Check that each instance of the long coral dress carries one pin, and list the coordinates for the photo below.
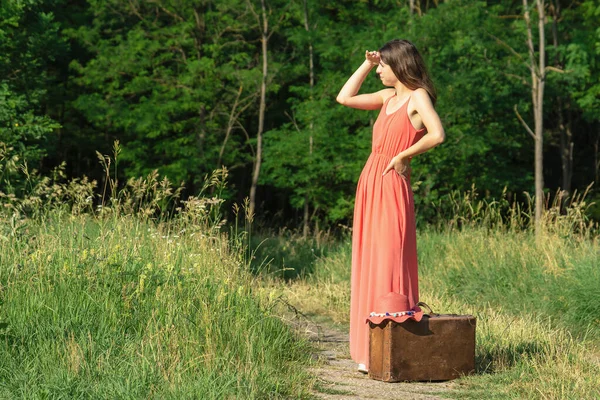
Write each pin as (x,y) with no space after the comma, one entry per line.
(384,244)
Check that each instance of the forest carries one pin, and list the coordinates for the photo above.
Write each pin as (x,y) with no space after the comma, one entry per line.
(187,87)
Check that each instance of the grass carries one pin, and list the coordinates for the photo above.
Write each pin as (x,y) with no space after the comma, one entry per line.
(525,357)
(122,308)
(286,255)
(145,297)
(141,295)
(536,302)
(552,276)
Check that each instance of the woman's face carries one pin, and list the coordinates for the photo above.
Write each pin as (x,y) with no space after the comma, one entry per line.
(387,76)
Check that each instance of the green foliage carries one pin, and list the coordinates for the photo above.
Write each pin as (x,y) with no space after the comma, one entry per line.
(317,155)
(134,299)
(21,131)
(588,58)
(29,43)
(178,84)
(171,82)
(29,40)
(150,82)
(485,145)
(315,162)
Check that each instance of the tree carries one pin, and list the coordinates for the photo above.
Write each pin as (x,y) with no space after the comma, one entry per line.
(587,58)
(564,127)
(311,74)
(29,41)
(478,82)
(262,18)
(191,86)
(168,80)
(316,155)
(538,71)
(263,23)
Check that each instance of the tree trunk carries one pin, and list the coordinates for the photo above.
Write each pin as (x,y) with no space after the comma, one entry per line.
(310,139)
(537,95)
(230,123)
(261,109)
(566,152)
(597,159)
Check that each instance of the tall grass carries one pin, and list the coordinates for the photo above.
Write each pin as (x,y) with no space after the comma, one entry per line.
(538,331)
(286,254)
(564,214)
(111,299)
(536,299)
(524,356)
(551,276)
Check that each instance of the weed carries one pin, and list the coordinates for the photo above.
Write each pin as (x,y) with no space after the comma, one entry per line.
(135,293)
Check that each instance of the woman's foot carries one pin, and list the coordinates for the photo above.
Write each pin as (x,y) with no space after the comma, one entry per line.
(362,368)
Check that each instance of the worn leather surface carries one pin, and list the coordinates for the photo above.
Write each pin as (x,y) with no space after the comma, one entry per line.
(439,347)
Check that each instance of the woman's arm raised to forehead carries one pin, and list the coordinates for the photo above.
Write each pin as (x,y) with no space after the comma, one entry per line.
(348,94)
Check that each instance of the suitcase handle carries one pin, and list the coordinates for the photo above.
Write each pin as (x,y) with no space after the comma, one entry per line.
(422,304)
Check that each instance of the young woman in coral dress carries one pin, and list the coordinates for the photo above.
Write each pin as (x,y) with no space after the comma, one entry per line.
(384,247)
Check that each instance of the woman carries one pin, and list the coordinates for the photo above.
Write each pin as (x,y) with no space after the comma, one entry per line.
(384,247)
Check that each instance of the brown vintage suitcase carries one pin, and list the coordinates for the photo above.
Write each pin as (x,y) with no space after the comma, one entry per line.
(437,348)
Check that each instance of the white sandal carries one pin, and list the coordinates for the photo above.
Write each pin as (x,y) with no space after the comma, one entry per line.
(363,368)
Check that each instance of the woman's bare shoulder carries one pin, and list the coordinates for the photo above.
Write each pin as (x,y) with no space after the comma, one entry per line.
(420,101)
(421,95)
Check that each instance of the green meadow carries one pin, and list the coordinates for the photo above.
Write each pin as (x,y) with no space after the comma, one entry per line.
(116,302)
(537,300)
(145,295)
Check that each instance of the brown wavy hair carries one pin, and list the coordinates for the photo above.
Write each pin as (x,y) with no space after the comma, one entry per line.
(408,66)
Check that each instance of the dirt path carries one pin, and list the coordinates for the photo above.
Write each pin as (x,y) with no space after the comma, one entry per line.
(339,379)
